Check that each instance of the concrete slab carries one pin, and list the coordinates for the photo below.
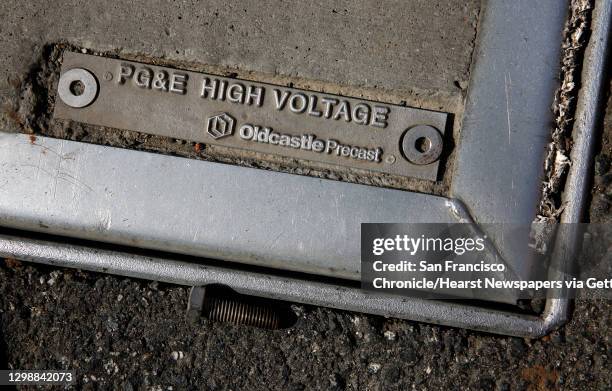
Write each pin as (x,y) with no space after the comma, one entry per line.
(391,45)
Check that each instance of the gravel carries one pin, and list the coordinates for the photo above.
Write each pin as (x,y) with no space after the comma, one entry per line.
(120,333)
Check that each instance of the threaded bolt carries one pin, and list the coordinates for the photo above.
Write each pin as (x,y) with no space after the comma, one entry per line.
(231,310)
(234,311)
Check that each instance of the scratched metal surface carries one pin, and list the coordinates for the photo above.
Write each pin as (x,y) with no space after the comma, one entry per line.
(508,116)
(508,92)
(198,208)
(358,204)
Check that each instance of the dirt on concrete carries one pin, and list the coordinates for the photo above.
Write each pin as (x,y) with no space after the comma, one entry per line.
(421,46)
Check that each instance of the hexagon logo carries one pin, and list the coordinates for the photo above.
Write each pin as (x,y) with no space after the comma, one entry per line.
(221,125)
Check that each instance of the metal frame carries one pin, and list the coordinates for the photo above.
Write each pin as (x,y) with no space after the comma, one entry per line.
(478,185)
(283,288)
(198,208)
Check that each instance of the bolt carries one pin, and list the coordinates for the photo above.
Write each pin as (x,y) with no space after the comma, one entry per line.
(231,309)
(77,97)
(108,76)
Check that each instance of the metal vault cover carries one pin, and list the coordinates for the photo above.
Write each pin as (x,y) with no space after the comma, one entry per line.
(478,160)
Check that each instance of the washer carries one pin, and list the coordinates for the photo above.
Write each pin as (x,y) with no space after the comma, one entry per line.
(90,91)
(432,144)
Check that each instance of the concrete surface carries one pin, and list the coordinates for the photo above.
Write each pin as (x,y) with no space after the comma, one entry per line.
(418,45)
(413,53)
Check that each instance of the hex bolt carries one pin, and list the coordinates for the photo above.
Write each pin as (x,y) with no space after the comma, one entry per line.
(422,144)
(77,87)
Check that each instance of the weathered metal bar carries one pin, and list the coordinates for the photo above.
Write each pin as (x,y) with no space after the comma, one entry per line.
(198,208)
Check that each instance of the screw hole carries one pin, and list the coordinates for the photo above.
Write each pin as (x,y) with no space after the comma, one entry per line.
(422,144)
(77,88)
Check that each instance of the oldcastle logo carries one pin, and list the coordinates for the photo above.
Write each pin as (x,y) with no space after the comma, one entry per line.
(223,125)
(220,126)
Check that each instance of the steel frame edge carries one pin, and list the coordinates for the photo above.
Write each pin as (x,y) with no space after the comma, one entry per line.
(556,311)
(281,288)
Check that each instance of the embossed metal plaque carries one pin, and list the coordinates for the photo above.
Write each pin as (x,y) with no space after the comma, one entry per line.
(259,117)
